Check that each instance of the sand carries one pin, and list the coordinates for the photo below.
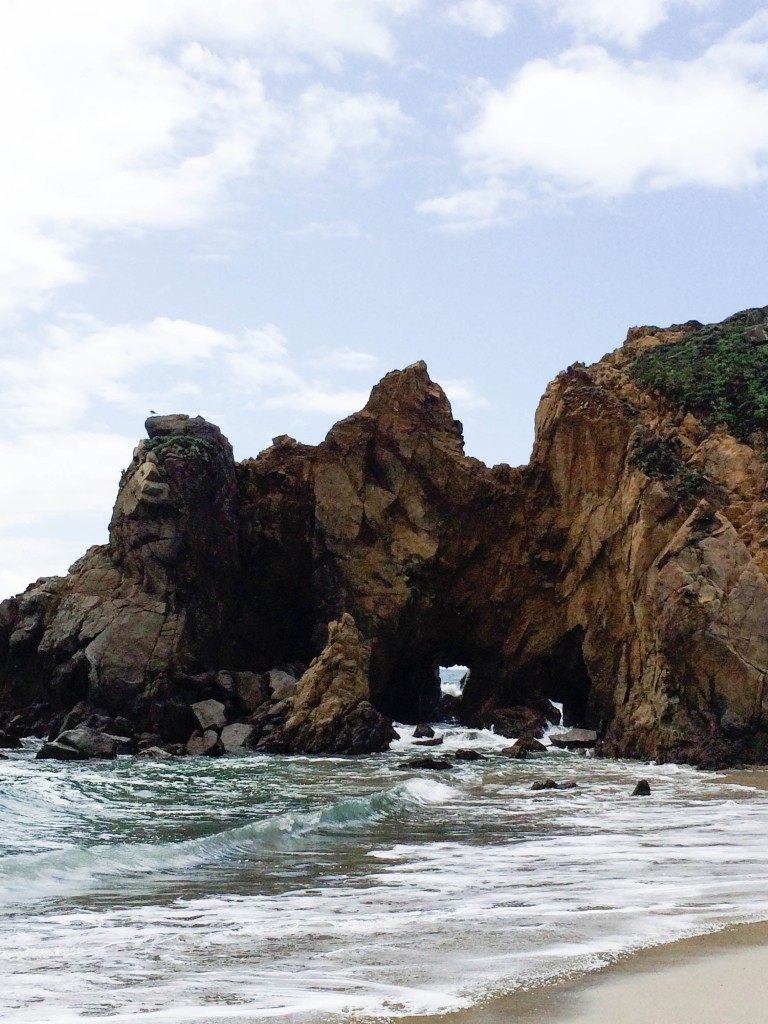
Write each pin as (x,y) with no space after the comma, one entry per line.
(721,978)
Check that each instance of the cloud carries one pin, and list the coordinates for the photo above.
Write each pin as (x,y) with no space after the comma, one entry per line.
(625,23)
(327,229)
(80,361)
(125,117)
(472,208)
(484,17)
(81,369)
(348,361)
(589,124)
(463,395)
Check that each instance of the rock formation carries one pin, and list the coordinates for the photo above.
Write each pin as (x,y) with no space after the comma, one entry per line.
(621,573)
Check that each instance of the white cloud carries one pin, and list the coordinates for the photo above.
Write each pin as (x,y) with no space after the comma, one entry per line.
(134,116)
(80,361)
(588,124)
(473,207)
(618,21)
(327,229)
(347,360)
(463,395)
(485,17)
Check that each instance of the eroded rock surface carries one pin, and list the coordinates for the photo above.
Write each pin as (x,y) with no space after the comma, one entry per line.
(622,574)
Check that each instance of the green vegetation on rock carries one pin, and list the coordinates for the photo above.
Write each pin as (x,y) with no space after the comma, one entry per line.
(660,458)
(719,372)
(183,445)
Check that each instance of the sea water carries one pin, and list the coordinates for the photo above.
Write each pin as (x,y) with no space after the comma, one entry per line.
(330,889)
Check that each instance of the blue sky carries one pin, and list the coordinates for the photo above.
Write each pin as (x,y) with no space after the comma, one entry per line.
(253,210)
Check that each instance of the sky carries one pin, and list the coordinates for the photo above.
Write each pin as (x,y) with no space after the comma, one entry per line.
(252,210)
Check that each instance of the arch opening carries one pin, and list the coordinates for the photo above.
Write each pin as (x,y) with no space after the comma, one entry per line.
(559,676)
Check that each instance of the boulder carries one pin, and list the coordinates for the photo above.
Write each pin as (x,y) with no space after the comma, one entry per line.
(423,732)
(252,690)
(551,784)
(575,739)
(237,738)
(282,684)
(467,754)
(205,744)
(435,764)
(642,788)
(79,744)
(155,754)
(522,748)
(210,714)
(123,744)
(10,742)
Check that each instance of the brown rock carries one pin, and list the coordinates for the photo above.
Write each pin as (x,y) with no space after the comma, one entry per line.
(435,764)
(586,578)
(467,754)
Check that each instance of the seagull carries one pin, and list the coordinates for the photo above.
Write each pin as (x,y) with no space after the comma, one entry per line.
(152,412)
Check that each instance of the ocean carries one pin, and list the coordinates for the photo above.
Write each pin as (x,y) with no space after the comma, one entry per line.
(340,889)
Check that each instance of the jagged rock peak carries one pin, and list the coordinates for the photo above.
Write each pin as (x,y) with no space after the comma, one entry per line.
(408,400)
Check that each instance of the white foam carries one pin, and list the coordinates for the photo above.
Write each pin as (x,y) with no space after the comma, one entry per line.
(295,887)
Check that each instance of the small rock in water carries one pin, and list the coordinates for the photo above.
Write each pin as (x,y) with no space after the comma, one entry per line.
(436,741)
(206,744)
(155,754)
(423,731)
(467,754)
(575,739)
(551,784)
(642,788)
(433,763)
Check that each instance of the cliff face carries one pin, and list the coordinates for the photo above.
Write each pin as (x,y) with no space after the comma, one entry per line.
(622,572)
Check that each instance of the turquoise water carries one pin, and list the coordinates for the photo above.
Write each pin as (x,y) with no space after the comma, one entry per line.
(307,889)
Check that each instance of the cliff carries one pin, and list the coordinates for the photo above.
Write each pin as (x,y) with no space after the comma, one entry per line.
(622,572)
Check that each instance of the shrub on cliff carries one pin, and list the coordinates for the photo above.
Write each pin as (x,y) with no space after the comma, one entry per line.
(719,373)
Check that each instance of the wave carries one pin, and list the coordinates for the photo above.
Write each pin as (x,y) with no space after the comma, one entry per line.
(39,875)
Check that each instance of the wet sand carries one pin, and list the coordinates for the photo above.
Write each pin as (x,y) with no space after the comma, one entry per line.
(721,978)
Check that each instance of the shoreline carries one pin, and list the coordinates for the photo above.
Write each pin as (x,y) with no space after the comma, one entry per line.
(703,979)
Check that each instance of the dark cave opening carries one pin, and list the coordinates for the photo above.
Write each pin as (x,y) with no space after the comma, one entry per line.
(561,676)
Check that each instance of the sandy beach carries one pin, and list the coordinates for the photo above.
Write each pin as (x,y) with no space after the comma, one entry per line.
(719,978)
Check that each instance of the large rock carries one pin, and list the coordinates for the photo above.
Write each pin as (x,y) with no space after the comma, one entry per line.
(79,744)
(210,714)
(330,711)
(622,574)
(237,738)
